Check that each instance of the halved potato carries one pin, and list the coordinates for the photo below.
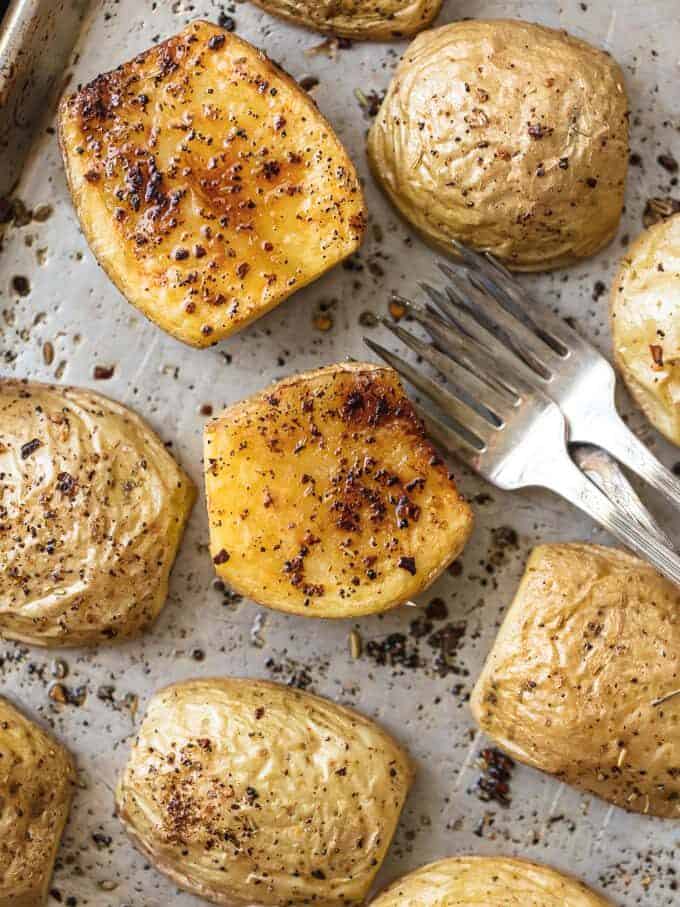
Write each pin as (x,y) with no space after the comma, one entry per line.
(507,136)
(92,510)
(207,183)
(645,317)
(377,20)
(251,793)
(488,882)
(37,780)
(583,679)
(326,499)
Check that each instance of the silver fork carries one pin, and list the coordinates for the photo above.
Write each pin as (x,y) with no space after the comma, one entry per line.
(555,357)
(507,428)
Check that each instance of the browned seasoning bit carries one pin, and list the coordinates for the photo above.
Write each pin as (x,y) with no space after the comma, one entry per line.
(659,209)
(396,309)
(221,557)
(48,353)
(494,783)
(408,564)
(323,321)
(30,447)
(657,356)
(103,372)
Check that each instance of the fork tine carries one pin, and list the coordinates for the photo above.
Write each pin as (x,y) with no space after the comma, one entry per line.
(461,375)
(485,306)
(469,349)
(448,439)
(499,281)
(463,414)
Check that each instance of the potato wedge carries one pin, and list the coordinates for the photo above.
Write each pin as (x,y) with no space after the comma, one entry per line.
(251,793)
(645,318)
(364,20)
(580,680)
(37,780)
(92,508)
(326,499)
(507,136)
(207,183)
(488,882)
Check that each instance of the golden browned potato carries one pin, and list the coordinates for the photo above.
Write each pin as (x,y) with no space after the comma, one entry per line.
(377,20)
(37,780)
(326,499)
(645,312)
(509,137)
(250,793)
(487,882)
(207,183)
(580,681)
(92,510)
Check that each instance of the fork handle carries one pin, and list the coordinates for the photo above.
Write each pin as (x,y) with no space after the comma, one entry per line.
(614,436)
(573,485)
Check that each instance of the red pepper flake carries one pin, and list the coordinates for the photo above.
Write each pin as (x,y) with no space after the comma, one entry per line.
(30,447)
(103,372)
(657,355)
(221,557)
(408,564)
(538,131)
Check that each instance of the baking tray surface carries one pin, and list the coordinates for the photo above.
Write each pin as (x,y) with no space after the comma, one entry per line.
(61,318)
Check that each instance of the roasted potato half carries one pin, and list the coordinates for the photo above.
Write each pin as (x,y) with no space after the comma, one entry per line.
(326,499)
(250,793)
(507,136)
(582,681)
(207,183)
(645,315)
(377,20)
(92,508)
(37,779)
(488,881)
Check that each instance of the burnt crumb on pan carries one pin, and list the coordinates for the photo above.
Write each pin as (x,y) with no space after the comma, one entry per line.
(406,651)
(668,162)
(496,776)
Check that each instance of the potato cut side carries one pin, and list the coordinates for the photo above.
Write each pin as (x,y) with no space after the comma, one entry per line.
(582,681)
(251,793)
(326,499)
(207,183)
(37,780)
(377,20)
(488,882)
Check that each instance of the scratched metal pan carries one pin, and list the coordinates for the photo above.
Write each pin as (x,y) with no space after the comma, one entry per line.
(60,317)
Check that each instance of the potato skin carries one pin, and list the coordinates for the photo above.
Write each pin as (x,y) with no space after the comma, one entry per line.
(377,20)
(589,644)
(93,510)
(645,318)
(251,793)
(488,881)
(207,183)
(507,136)
(37,780)
(325,498)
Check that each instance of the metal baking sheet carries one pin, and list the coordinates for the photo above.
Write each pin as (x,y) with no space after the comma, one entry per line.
(60,317)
